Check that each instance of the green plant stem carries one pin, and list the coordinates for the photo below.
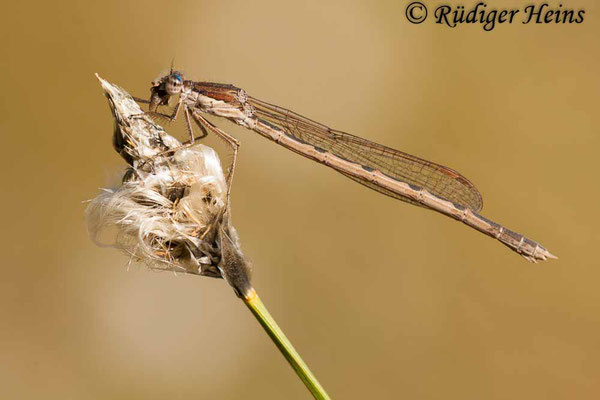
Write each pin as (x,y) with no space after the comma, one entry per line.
(285,346)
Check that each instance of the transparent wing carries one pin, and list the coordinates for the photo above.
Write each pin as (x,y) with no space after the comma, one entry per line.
(435,178)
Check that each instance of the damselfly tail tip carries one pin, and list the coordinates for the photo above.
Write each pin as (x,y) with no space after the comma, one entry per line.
(540,255)
(545,254)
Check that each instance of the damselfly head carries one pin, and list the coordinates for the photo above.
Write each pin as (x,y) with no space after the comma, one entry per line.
(164,87)
(174,83)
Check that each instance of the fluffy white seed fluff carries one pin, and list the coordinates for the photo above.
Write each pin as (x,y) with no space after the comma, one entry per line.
(164,217)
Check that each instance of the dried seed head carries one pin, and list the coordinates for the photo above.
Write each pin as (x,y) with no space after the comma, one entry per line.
(171,210)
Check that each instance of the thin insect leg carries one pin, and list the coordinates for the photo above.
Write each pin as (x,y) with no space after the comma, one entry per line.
(230,140)
(139,100)
(189,124)
(183,145)
(171,117)
(189,127)
(176,110)
(190,142)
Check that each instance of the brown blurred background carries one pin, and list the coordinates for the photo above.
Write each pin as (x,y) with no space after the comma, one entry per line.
(383,300)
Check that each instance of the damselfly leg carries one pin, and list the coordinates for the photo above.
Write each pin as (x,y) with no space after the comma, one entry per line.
(205,126)
(232,142)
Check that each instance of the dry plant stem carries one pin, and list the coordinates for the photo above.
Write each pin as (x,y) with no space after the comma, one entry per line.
(285,346)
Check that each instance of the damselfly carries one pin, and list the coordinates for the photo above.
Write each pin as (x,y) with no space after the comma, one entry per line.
(391,172)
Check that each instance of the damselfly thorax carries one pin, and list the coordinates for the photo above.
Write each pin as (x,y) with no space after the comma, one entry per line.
(392,172)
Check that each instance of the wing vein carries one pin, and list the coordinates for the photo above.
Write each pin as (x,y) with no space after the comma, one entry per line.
(437,179)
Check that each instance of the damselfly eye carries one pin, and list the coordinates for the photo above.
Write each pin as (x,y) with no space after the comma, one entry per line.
(174,84)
